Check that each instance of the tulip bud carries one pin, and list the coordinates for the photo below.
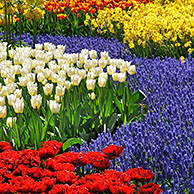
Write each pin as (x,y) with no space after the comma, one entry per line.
(36,101)
(90,84)
(18,105)
(101,81)
(48,88)
(2,100)
(92,96)
(54,106)
(75,80)
(93,54)
(132,70)
(3,111)
(10,121)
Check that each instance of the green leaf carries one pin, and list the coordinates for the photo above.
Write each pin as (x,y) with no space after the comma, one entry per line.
(71,142)
(112,121)
(108,104)
(118,104)
(137,97)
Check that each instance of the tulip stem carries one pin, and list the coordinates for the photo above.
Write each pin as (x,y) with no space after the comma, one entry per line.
(2,133)
(34,32)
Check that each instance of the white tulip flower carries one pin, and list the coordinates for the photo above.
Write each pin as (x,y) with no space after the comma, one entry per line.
(60,91)
(58,98)
(30,77)
(3,111)
(102,81)
(90,75)
(10,121)
(132,70)
(38,46)
(92,96)
(61,48)
(18,93)
(82,73)
(3,91)
(48,88)
(115,76)
(90,84)
(104,55)
(122,77)
(47,73)
(36,101)
(75,80)
(2,100)
(40,77)
(18,105)
(88,64)
(54,77)
(111,69)
(102,63)
(23,81)
(104,75)
(67,85)
(70,71)
(11,88)
(54,106)
(32,88)
(93,54)
(12,53)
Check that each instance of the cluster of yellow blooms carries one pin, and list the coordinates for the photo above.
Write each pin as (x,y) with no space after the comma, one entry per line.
(30,8)
(169,23)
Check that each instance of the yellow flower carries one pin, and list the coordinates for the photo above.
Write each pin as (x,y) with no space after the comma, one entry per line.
(190,50)
(182,59)
(131,44)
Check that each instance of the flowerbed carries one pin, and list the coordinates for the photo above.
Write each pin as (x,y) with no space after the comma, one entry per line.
(44,171)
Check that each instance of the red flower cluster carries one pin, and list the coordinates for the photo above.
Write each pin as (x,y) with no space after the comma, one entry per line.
(90,6)
(112,151)
(45,172)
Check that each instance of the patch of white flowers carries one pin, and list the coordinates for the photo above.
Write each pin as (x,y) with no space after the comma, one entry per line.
(55,71)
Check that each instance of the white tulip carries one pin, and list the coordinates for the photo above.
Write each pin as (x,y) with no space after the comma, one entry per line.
(30,77)
(102,63)
(32,88)
(48,88)
(47,73)
(67,85)
(36,101)
(12,53)
(88,64)
(90,84)
(104,75)
(82,58)
(3,111)
(75,80)
(101,81)
(10,121)
(122,77)
(60,81)
(93,54)
(54,106)
(11,88)
(18,105)
(58,98)
(3,91)
(111,69)
(40,77)
(132,70)
(62,74)
(82,73)
(22,81)
(10,78)
(38,46)
(16,69)
(90,75)
(61,48)
(70,71)
(2,100)
(115,76)
(104,55)
(18,93)
(92,96)
(54,77)
(3,56)
(60,91)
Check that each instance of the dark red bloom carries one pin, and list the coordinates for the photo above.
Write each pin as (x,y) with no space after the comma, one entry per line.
(140,175)
(150,188)
(49,149)
(4,146)
(112,151)
(66,177)
(100,163)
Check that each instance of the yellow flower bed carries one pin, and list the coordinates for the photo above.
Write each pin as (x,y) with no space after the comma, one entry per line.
(158,22)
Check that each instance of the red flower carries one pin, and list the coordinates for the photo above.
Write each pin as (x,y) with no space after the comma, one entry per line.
(112,151)
(66,177)
(100,163)
(4,146)
(120,188)
(50,149)
(140,175)
(150,188)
